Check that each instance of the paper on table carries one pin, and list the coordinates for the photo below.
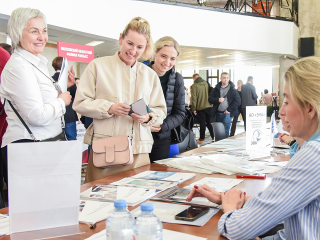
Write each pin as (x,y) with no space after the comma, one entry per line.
(4,225)
(218,184)
(63,76)
(179,195)
(95,211)
(44,184)
(168,176)
(166,234)
(166,212)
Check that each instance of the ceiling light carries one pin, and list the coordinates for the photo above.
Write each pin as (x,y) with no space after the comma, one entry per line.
(217,56)
(94,43)
(186,61)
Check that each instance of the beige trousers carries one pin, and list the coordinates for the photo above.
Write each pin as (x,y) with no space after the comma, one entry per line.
(93,173)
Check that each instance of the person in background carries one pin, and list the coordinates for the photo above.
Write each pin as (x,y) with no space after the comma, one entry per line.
(70,117)
(235,118)
(293,196)
(200,105)
(187,97)
(249,97)
(77,80)
(6,47)
(4,58)
(166,52)
(226,97)
(26,83)
(107,83)
(267,97)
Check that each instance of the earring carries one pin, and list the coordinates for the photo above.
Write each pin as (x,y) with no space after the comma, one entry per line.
(310,116)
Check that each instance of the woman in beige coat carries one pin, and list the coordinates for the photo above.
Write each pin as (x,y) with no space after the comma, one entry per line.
(108,83)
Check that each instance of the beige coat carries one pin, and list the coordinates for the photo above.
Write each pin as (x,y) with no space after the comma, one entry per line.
(107,81)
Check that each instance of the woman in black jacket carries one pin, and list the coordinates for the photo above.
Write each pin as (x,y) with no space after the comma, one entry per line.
(166,52)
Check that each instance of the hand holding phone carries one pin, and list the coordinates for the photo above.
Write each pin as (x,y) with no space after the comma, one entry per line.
(192,213)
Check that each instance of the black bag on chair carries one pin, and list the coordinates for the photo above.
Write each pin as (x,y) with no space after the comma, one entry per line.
(178,134)
(189,143)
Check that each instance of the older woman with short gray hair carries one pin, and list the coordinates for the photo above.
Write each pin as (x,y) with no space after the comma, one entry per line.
(27,85)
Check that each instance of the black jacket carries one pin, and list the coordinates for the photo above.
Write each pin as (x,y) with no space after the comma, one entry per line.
(175,105)
(233,97)
(70,115)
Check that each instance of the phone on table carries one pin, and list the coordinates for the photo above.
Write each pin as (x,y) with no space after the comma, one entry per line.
(192,213)
(258,176)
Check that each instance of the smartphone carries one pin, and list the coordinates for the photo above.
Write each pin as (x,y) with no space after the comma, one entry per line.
(192,213)
(258,176)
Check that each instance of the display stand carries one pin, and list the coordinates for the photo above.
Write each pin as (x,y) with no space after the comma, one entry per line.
(44,189)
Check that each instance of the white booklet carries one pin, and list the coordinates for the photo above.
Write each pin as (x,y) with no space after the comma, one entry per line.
(167,235)
(218,184)
(94,211)
(179,195)
(168,176)
(158,185)
(132,195)
(63,76)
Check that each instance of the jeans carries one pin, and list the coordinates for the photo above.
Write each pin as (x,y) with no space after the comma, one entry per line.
(225,119)
(71,130)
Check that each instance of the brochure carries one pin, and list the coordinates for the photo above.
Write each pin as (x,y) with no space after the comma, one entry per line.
(168,176)
(218,184)
(179,195)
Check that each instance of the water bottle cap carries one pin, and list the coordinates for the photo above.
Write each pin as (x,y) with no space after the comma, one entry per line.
(147,207)
(120,203)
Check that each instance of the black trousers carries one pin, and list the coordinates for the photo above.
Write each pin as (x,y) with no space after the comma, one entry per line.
(234,122)
(4,168)
(160,149)
(204,117)
(244,117)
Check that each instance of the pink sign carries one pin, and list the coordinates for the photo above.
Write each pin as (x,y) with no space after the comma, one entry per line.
(75,52)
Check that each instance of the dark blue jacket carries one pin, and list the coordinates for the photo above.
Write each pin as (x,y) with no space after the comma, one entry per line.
(175,104)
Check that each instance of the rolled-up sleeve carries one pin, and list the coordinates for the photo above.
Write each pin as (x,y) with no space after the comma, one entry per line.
(24,90)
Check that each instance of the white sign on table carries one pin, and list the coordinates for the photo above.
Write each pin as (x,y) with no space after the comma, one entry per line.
(256,127)
(44,185)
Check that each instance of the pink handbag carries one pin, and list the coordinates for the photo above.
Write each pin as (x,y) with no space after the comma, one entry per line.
(116,150)
(112,151)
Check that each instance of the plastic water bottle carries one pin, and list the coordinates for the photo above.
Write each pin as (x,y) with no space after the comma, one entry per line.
(119,224)
(147,226)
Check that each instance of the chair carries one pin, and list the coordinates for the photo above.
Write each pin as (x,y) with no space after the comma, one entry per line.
(174,150)
(219,131)
(188,143)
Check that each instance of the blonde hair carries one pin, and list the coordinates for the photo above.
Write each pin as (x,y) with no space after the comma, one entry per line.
(169,42)
(18,21)
(240,81)
(142,26)
(303,79)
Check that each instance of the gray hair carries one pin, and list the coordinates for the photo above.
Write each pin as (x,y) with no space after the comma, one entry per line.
(18,21)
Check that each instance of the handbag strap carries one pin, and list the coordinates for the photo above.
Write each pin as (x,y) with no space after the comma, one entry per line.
(23,122)
(137,80)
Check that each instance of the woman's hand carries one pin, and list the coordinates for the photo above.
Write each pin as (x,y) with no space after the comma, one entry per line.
(205,191)
(119,109)
(155,128)
(140,119)
(66,97)
(233,199)
(285,138)
(71,81)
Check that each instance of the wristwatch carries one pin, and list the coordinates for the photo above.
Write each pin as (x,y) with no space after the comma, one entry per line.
(291,142)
